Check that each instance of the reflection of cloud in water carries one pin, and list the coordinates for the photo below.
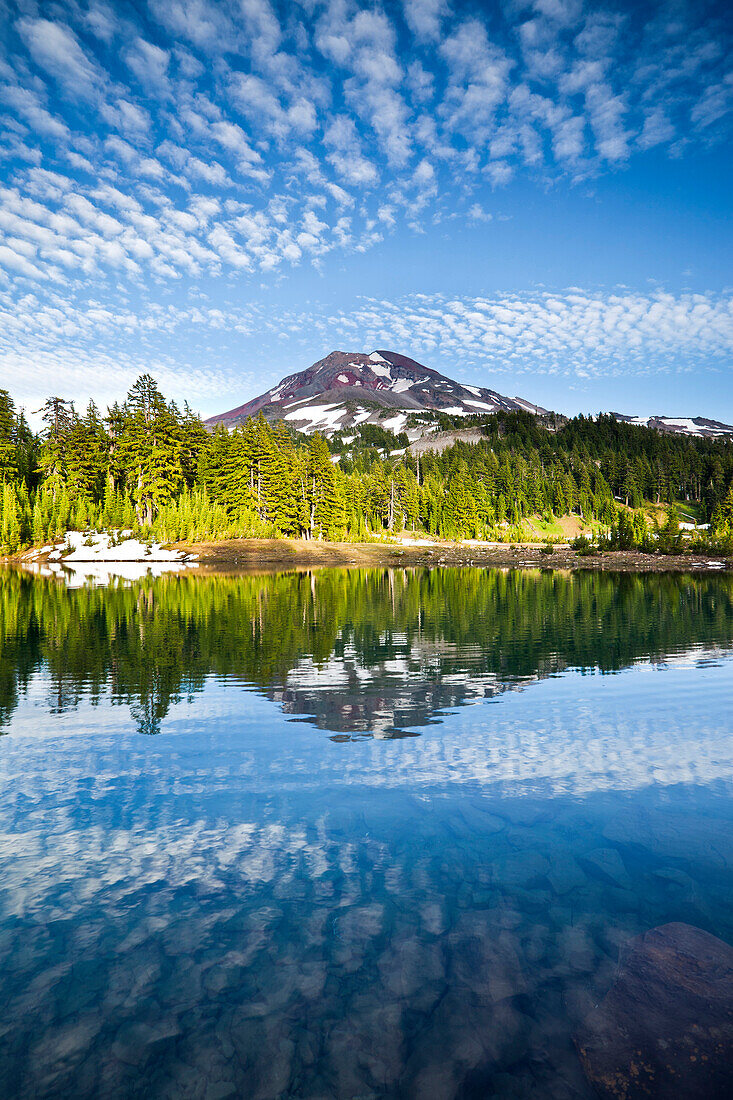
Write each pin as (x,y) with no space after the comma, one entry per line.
(239,907)
(245,885)
(571,734)
(414,690)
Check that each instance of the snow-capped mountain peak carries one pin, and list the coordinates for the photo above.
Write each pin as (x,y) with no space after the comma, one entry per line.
(350,388)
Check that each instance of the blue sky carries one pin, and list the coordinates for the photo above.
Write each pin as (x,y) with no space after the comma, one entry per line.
(529,196)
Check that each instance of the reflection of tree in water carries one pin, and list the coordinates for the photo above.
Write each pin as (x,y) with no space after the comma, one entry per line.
(357,652)
(151,707)
(62,696)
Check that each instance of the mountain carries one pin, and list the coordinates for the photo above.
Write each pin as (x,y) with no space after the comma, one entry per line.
(350,388)
(347,389)
(680,425)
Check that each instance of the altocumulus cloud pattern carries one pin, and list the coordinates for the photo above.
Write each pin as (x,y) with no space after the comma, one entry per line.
(167,166)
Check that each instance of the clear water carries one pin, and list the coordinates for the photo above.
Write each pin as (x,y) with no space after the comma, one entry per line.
(348,834)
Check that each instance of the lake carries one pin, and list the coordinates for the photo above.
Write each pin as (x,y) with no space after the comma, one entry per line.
(348,833)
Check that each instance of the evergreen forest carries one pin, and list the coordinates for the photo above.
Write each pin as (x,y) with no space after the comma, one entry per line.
(148,466)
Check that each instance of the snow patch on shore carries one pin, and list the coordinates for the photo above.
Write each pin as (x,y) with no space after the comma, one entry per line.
(88,556)
(88,546)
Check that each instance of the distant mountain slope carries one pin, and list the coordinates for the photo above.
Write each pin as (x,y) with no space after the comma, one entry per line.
(680,425)
(350,388)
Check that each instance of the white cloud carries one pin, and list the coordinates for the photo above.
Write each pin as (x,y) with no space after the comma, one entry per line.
(126,116)
(477,213)
(202,23)
(347,158)
(150,65)
(101,21)
(29,105)
(56,50)
(203,145)
(499,172)
(424,17)
(617,332)
(478,79)
(86,347)
(656,130)
(257,102)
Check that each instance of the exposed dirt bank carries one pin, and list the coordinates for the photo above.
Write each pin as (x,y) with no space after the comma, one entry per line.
(275,554)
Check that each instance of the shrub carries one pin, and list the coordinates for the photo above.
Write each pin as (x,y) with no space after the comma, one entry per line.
(582,546)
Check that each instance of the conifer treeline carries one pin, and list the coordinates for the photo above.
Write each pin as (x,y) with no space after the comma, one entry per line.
(150,466)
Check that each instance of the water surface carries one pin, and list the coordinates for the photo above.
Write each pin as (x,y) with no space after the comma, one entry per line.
(349,833)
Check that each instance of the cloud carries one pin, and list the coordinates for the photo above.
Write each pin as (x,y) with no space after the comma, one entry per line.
(93,347)
(150,65)
(347,157)
(56,50)
(569,332)
(657,129)
(101,21)
(30,107)
(126,116)
(15,258)
(254,98)
(478,80)
(716,102)
(425,17)
(204,24)
(477,213)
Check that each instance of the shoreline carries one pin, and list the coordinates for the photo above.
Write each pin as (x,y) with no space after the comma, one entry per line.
(277,555)
(268,555)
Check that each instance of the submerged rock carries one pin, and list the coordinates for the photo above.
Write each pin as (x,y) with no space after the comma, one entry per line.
(606,865)
(665,1028)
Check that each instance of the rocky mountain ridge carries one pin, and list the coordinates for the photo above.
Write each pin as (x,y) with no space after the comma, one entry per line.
(680,425)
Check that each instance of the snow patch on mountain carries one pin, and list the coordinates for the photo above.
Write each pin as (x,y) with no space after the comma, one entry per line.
(383,372)
(395,424)
(480,405)
(326,415)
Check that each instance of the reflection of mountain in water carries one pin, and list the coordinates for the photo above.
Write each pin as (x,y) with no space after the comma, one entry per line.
(391,698)
(360,652)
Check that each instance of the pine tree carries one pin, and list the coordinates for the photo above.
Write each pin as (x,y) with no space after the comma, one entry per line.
(86,456)
(38,529)
(325,505)
(57,414)
(9,519)
(282,482)
(194,441)
(150,449)
(8,449)
(726,510)
(501,509)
